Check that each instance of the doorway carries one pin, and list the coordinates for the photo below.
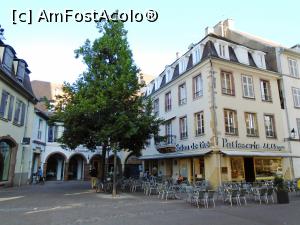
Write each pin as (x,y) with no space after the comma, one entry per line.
(249,169)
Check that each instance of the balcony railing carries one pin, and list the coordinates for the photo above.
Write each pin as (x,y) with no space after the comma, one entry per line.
(252,132)
(228,91)
(167,141)
(267,98)
(231,131)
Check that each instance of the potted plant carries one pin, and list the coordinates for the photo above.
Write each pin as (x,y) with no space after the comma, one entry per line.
(281,190)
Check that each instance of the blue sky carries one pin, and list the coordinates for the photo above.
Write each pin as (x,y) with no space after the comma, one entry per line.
(49,48)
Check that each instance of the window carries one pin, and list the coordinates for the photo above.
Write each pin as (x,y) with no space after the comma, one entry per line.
(247,84)
(8,59)
(183,127)
(168,132)
(222,50)
(182,94)
(298,126)
(227,83)
(237,169)
(230,120)
(182,65)
(52,133)
(293,67)
(156,107)
(267,168)
(251,124)
(19,115)
(21,71)
(40,127)
(168,75)
(3,104)
(199,122)
(196,55)
(265,90)
(197,86)
(296,97)
(270,126)
(168,102)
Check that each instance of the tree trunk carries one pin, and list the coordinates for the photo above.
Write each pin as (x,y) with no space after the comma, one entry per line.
(114,192)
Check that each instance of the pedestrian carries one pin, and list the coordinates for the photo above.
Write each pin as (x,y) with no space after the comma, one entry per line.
(93,174)
(40,175)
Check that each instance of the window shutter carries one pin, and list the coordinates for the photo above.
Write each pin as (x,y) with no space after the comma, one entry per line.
(23,114)
(11,107)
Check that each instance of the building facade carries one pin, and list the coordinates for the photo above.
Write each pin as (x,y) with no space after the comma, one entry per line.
(16,117)
(223,116)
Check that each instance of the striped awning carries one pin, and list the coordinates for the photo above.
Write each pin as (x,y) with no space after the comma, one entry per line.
(182,154)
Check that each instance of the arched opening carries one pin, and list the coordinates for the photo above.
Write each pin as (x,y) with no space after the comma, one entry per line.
(76,167)
(111,166)
(5,160)
(55,167)
(96,162)
(133,167)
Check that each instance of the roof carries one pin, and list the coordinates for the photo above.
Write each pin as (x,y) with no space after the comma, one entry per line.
(181,154)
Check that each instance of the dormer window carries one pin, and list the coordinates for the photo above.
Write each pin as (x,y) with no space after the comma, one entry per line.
(168,75)
(182,66)
(21,71)
(222,50)
(196,56)
(8,59)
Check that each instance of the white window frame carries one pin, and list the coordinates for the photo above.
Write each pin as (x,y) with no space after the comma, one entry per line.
(196,55)
(251,126)
(199,123)
(296,97)
(265,91)
(248,86)
(293,67)
(225,77)
(222,50)
(8,59)
(168,101)
(183,129)
(197,86)
(156,107)
(182,95)
(230,121)
(270,128)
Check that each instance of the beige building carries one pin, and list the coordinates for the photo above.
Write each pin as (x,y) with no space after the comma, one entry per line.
(223,116)
(16,117)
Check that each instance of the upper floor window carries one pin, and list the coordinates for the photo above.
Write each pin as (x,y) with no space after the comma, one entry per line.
(8,59)
(52,133)
(168,132)
(270,126)
(19,115)
(296,97)
(168,102)
(248,89)
(199,123)
(168,75)
(40,128)
(182,94)
(197,86)
(222,50)
(227,83)
(6,105)
(21,71)
(183,127)
(293,67)
(182,65)
(156,107)
(230,121)
(251,124)
(196,55)
(265,89)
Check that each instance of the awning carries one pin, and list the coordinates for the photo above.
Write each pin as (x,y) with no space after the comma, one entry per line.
(252,153)
(183,154)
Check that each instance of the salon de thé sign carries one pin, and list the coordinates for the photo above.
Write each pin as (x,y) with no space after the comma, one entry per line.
(231,145)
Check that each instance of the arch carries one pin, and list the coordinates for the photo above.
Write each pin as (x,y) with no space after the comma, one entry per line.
(11,162)
(95,156)
(76,166)
(75,154)
(133,166)
(54,166)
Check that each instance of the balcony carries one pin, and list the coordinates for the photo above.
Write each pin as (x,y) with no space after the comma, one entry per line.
(165,144)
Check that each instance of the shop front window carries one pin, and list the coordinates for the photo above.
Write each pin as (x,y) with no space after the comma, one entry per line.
(267,168)
(5,154)
(237,169)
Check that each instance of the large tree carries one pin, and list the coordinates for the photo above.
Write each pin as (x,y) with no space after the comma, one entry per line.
(105,102)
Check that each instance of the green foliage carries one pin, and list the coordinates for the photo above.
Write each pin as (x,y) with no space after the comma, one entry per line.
(280,184)
(105,102)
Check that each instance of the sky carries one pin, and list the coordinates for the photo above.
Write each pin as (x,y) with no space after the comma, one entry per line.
(48,47)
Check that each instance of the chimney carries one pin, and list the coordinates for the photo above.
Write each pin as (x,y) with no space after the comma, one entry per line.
(177,55)
(209,30)
(228,24)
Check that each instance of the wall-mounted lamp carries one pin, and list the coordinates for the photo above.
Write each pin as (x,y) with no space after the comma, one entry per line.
(293,133)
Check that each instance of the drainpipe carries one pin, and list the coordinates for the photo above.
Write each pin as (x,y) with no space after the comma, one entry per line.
(278,52)
(23,148)
(213,100)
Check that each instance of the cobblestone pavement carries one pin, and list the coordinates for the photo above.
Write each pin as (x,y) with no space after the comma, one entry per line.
(73,203)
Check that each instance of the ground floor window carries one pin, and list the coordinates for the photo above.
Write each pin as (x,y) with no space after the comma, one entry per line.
(237,169)
(266,168)
(5,154)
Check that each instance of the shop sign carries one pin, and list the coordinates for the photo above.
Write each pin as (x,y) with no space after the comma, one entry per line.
(254,145)
(193,146)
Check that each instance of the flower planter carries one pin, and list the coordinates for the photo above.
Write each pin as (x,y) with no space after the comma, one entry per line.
(282,197)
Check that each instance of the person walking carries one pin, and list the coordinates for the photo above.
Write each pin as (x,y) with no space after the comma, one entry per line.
(40,178)
(93,174)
